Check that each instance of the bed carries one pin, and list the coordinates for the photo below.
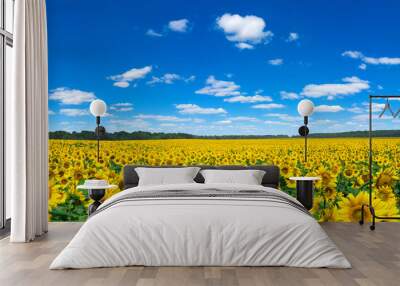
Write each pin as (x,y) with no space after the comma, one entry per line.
(198,224)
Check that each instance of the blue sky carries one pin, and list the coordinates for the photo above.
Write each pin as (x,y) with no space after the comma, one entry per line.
(222,67)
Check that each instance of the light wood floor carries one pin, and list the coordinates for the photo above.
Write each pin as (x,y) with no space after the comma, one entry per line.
(375,257)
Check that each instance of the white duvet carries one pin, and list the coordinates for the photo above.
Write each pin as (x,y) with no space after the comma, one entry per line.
(200,231)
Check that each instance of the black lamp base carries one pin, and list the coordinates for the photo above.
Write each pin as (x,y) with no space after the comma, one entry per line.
(304,131)
(96,195)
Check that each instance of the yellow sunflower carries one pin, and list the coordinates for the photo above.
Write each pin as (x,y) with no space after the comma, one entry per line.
(362,179)
(386,177)
(329,191)
(326,214)
(56,197)
(350,208)
(385,209)
(349,172)
(385,194)
(325,175)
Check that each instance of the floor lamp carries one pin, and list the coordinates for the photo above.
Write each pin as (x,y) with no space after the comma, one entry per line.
(305,109)
(98,108)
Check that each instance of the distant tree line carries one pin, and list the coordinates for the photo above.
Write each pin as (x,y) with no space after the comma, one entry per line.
(143,135)
(375,133)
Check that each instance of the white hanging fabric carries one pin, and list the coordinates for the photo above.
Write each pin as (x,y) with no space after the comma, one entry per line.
(27,124)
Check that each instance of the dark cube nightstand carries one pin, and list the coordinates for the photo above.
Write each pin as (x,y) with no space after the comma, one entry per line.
(97,190)
(305,188)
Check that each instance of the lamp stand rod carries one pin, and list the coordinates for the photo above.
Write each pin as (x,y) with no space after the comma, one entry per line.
(305,148)
(305,139)
(98,137)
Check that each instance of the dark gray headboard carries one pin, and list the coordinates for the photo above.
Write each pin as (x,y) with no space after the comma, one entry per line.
(271,177)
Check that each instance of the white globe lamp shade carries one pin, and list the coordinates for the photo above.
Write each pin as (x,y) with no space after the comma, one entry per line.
(98,107)
(305,107)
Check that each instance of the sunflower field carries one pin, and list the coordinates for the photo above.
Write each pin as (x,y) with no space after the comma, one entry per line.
(341,163)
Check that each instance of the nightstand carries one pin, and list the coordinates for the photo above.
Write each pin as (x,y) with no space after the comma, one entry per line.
(305,188)
(96,195)
(97,190)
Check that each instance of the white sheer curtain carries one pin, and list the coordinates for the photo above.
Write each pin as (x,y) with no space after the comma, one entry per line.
(26,124)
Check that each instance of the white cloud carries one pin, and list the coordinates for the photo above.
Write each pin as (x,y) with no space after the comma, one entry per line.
(51,112)
(127,125)
(72,125)
(224,122)
(284,117)
(243,119)
(167,78)
(121,84)
(328,108)
(168,125)
(371,60)
(360,117)
(275,62)
(376,107)
(190,78)
(198,120)
(71,96)
(219,87)
(351,85)
(363,110)
(322,121)
(162,118)
(123,104)
(195,109)
(72,122)
(352,54)
(123,80)
(289,95)
(381,61)
(365,117)
(356,109)
(249,99)
(74,112)
(152,33)
(271,122)
(170,78)
(244,29)
(362,66)
(122,107)
(244,46)
(268,106)
(292,37)
(179,25)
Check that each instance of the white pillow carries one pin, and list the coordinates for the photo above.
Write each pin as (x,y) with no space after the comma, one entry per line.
(248,177)
(166,176)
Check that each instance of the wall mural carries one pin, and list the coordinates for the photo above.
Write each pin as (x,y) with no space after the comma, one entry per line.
(218,84)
